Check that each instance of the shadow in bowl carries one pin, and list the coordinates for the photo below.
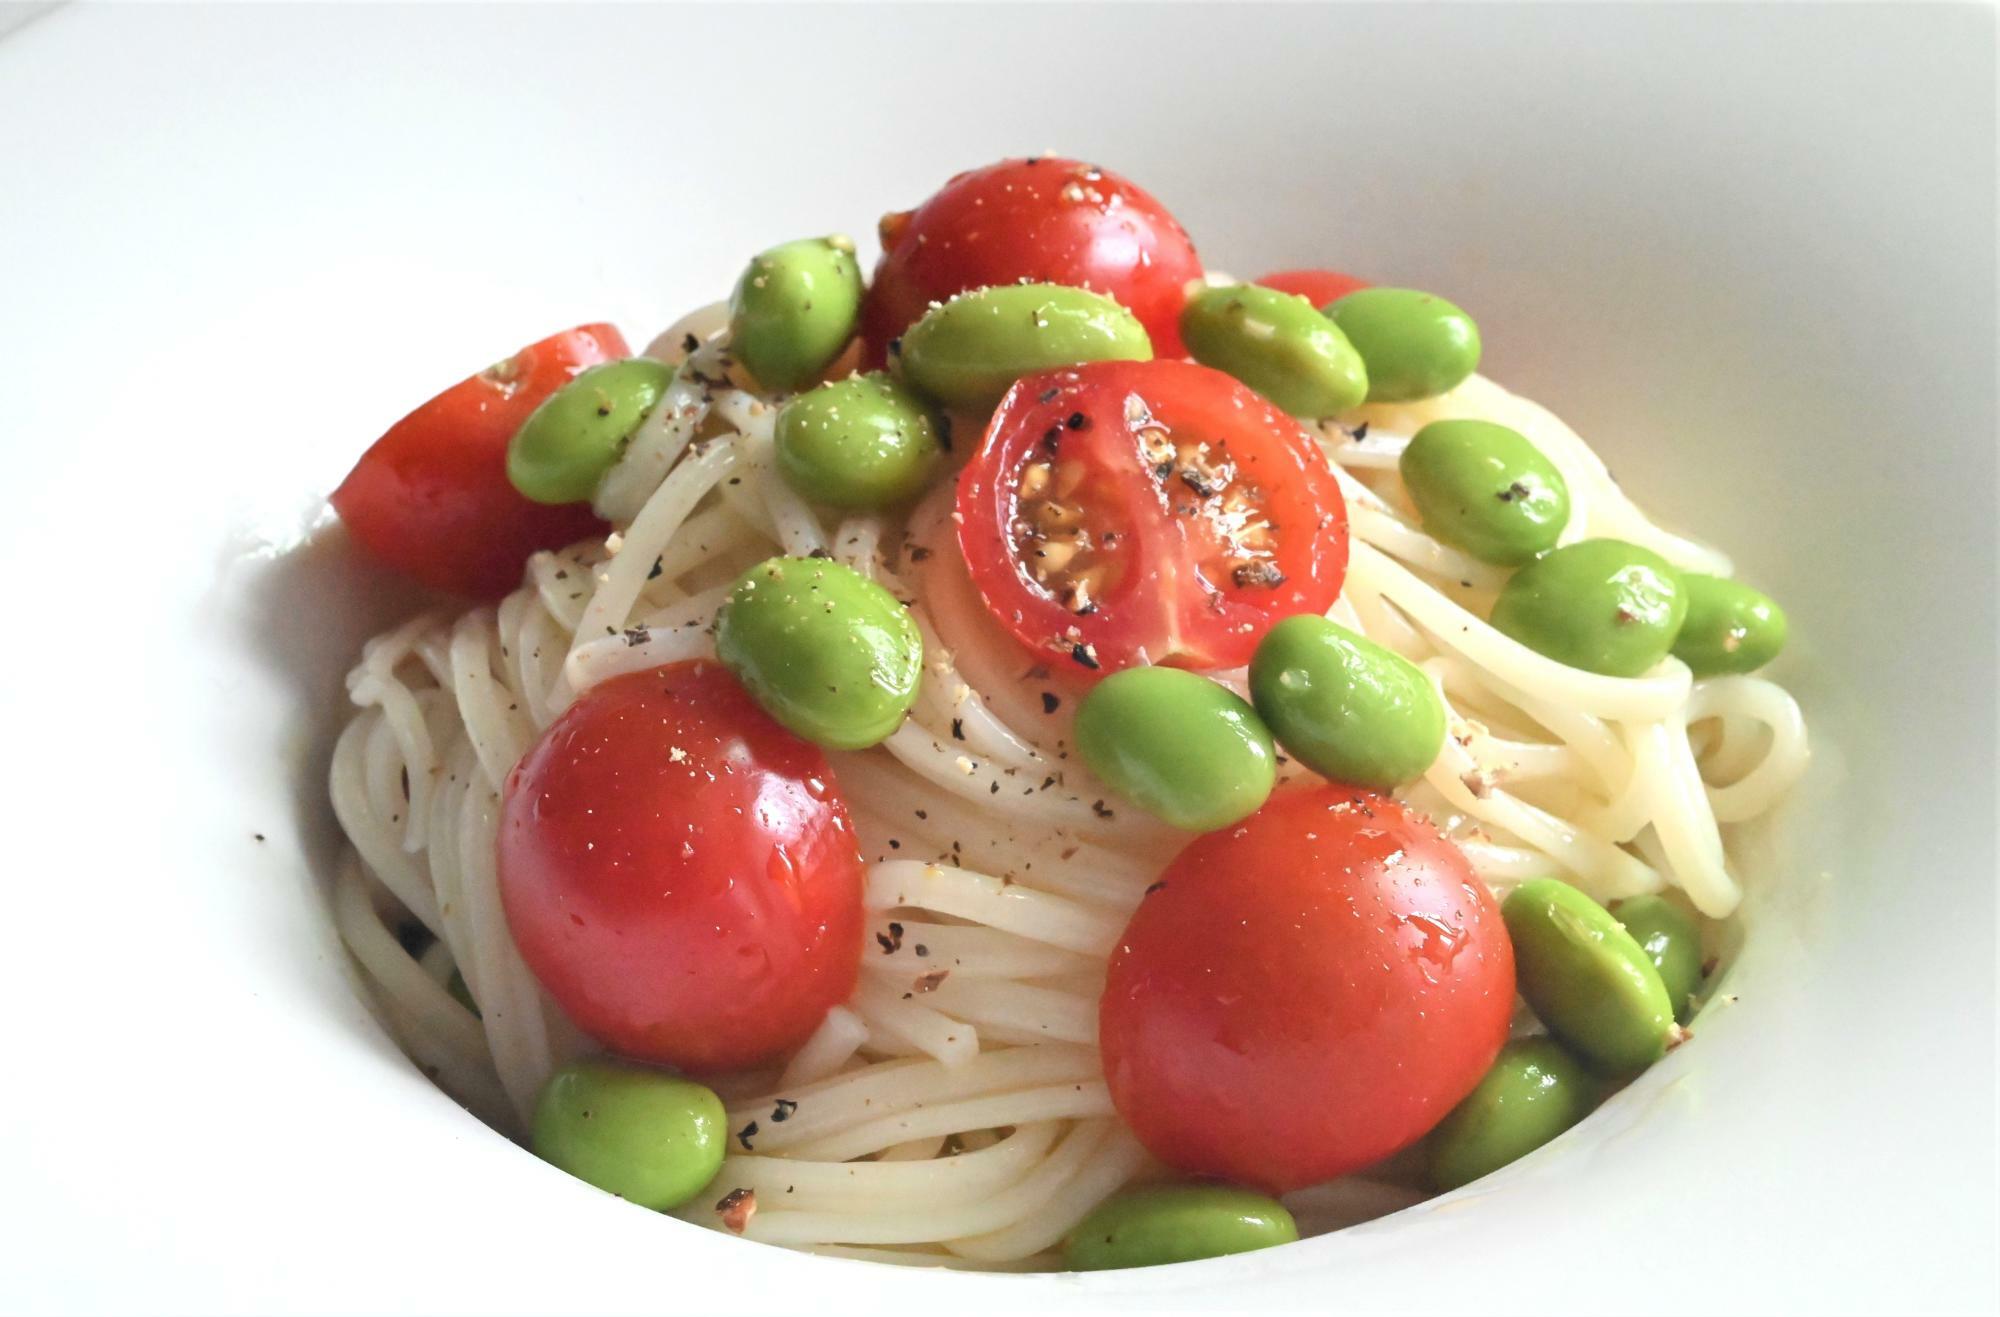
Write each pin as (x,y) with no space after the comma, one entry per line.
(303,612)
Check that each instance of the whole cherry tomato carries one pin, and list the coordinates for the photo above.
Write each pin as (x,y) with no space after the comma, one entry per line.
(431,497)
(1320,287)
(1305,993)
(680,873)
(1043,220)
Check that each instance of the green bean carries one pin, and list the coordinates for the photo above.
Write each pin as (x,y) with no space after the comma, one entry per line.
(826,651)
(1586,978)
(1534,1091)
(966,353)
(794,310)
(567,443)
(863,443)
(1279,345)
(1600,605)
(647,1136)
(1671,939)
(1415,345)
(1343,705)
(1486,489)
(1730,627)
(1178,745)
(1176,1223)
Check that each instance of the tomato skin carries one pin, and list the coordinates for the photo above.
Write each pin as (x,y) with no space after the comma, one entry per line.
(1319,287)
(431,498)
(1305,993)
(1042,219)
(680,873)
(1176,600)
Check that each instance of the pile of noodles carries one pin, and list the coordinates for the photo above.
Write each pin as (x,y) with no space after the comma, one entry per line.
(962,1118)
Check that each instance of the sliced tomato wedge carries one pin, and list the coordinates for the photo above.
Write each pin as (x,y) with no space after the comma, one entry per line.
(1135,512)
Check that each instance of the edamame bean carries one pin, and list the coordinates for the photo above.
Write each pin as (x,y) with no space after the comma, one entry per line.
(1176,1223)
(1601,605)
(794,310)
(1534,1091)
(825,651)
(863,443)
(967,352)
(1486,489)
(1415,345)
(567,444)
(1343,705)
(1671,939)
(1278,344)
(1177,745)
(647,1136)
(1730,627)
(1586,978)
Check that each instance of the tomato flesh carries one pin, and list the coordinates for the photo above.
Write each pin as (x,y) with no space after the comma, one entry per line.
(1320,287)
(1043,220)
(1148,512)
(1305,993)
(431,497)
(680,872)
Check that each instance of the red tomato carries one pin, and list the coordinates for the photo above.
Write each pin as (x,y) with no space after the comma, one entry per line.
(1148,512)
(431,497)
(1319,287)
(680,873)
(1305,993)
(1042,219)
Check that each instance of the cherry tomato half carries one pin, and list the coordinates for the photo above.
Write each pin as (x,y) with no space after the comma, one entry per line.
(680,873)
(1041,219)
(1305,993)
(431,497)
(1319,287)
(1148,512)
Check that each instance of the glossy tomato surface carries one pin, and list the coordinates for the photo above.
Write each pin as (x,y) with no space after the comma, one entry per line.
(1148,512)
(680,873)
(431,497)
(1305,993)
(1042,219)
(1319,287)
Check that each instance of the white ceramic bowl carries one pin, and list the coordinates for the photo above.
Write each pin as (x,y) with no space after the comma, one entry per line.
(1749,253)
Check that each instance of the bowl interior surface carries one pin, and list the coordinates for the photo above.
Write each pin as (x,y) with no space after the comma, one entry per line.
(241,242)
